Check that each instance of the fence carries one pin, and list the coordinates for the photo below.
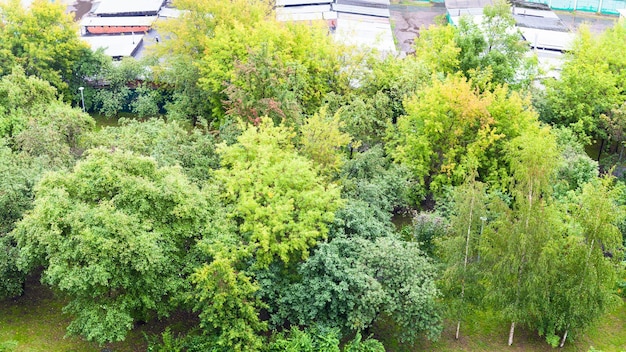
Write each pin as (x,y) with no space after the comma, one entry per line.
(607,7)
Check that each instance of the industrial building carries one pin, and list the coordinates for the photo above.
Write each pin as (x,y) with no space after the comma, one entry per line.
(119,27)
(361,23)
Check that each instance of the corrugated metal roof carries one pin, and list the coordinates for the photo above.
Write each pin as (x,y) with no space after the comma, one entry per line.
(465,12)
(553,24)
(534,13)
(118,21)
(117,7)
(467,4)
(361,10)
(115,45)
(545,39)
(381,4)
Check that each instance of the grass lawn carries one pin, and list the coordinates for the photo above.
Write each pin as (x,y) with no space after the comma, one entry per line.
(36,323)
(487,334)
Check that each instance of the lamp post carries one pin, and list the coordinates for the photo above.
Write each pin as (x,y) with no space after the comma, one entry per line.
(82,97)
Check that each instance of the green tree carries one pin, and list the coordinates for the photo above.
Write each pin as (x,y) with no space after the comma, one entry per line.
(43,40)
(224,295)
(169,143)
(495,48)
(55,133)
(460,250)
(513,242)
(113,234)
(19,96)
(321,140)
(591,83)
(277,208)
(281,204)
(216,37)
(127,89)
(351,283)
(373,187)
(451,130)
(397,79)
(365,118)
(266,86)
(437,48)
(576,168)
(18,173)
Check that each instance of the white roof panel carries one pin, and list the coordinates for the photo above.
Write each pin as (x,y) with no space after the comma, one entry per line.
(124,21)
(170,12)
(365,31)
(114,7)
(545,39)
(115,45)
(308,16)
(330,15)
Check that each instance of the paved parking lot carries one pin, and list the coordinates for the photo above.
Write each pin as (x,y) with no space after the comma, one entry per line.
(596,23)
(408,20)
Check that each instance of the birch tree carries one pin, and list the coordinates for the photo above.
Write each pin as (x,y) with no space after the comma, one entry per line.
(514,241)
(461,250)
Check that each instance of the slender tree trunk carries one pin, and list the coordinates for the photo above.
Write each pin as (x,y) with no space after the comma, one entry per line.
(511,333)
(563,340)
(600,150)
(467,241)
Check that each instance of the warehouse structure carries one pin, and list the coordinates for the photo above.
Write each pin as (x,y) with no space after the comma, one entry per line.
(362,23)
(119,27)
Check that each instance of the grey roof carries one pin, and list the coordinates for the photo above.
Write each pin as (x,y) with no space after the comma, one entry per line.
(539,19)
(362,10)
(305,13)
(552,24)
(115,46)
(381,4)
(467,4)
(547,39)
(128,7)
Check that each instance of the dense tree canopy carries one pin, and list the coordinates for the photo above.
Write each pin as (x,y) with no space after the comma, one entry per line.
(297,193)
(452,130)
(113,234)
(43,40)
(591,83)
